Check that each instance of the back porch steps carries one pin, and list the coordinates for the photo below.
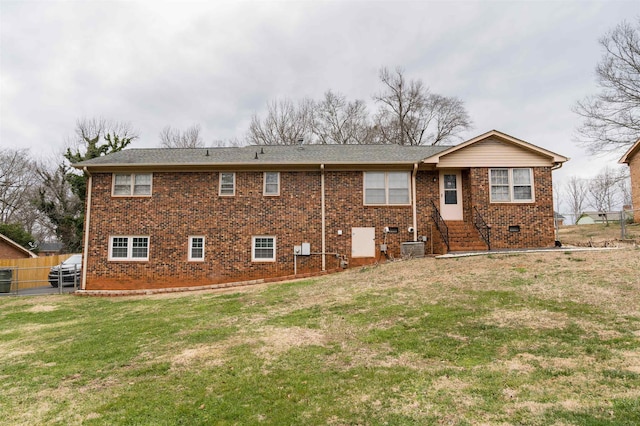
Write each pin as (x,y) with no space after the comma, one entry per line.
(463,236)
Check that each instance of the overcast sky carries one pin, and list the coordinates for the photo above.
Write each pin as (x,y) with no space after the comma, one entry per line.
(518,66)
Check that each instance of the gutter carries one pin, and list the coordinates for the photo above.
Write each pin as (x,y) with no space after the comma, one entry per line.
(413,202)
(87,219)
(322,202)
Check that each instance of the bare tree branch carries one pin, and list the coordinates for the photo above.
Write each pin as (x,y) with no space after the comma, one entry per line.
(611,118)
(410,114)
(174,138)
(285,124)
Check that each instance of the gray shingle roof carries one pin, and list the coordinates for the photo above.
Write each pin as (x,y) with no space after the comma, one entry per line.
(268,155)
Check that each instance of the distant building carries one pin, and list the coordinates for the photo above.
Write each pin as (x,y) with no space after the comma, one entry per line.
(589,218)
(50,249)
(9,249)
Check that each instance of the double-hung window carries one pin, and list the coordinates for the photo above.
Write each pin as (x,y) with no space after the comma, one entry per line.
(196,249)
(132,184)
(263,249)
(511,185)
(129,248)
(227,184)
(387,188)
(271,183)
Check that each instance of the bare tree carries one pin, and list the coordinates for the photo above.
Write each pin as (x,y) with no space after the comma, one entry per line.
(94,129)
(337,121)
(16,181)
(174,138)
(410,114)
(576,190)
(604,190)
(285,124)
(63,208)
(624,186)
(611,118)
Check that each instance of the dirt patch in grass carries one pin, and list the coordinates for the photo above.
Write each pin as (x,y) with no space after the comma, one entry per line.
(277,340)
(42,308)
(527,318)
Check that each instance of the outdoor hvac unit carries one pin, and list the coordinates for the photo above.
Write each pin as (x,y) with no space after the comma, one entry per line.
(412,249)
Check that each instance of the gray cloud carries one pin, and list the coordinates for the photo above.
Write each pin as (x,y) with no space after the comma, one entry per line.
(518,66)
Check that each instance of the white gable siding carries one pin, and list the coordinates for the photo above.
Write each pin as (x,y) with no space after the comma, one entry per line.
(493,153)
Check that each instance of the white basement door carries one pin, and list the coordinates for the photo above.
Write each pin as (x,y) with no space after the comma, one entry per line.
(363,242)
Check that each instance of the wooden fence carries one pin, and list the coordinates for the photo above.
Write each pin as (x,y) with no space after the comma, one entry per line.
(29,273)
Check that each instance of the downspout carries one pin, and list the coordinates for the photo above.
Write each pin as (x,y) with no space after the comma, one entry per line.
(414,202)
(324,249)
(87,219)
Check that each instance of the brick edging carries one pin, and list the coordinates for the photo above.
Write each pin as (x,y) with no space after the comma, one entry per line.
(235,284)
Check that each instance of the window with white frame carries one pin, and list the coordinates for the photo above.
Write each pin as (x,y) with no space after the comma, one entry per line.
(271,183)
(227,184)
(196,248)
(511,185)
(132,184)
(387,188)
(263,249)
(129,248)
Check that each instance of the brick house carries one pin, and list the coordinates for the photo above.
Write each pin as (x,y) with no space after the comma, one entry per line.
(160,218)
(9,249)
(631,159)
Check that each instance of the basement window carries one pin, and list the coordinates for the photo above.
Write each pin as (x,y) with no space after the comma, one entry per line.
(196,249)
(129,248)
(514,228)
(263,249)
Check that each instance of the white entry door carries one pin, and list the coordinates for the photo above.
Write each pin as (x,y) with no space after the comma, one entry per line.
(451,195)
(363,242)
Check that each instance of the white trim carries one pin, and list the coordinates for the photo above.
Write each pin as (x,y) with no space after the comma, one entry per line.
(264,185)
(233,174)
(253,249)
(87,221)
(556,159)
(132,184)
(511,186)
(190,250)
(129,257)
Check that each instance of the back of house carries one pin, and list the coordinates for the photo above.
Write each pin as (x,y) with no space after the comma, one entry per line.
(163,218)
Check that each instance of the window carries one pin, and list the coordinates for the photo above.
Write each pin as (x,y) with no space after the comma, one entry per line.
(263,249)
(511,185)
(386,188)
(196,248)
(131,184)
(129,248)
(227,184)
(271,183)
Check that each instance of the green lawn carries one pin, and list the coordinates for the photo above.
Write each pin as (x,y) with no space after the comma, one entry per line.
(537,339)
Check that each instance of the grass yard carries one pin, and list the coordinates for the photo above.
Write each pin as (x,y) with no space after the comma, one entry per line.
(597,234)
(538,339)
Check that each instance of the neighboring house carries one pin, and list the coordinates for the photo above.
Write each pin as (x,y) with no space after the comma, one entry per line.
(191,217)
(631,159)
(50,248)
(589,218)
(9,249)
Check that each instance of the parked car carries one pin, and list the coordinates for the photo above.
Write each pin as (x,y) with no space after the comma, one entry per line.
(71,272)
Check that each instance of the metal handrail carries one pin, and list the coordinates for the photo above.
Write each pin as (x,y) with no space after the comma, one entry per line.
(441,225)
(483,228)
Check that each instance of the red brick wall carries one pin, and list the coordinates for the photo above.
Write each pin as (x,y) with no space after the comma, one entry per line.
(187,204)
(10,252)
(534,219)
(634,169)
